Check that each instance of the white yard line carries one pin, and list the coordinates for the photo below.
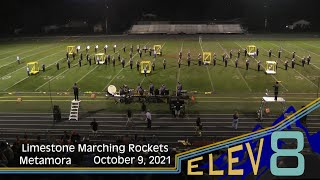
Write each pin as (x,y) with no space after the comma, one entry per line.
(294,70)
(54,77)
(15,61)
(9,52)
(311,45)
(16,83)
(120,71)
(75,64)
(142,80)
(306,49)
(296,55)
(145,77)
(26,66)
(265,68)
(21,53)
(117,73)
(178,76)
(212,87)
(95,67)
(37,60)
(244,80)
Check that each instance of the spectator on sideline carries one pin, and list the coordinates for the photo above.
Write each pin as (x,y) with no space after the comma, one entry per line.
(276,90)
(94,126)
(235,120)
(199,126)
(177,109)
(129,116)
(148,119)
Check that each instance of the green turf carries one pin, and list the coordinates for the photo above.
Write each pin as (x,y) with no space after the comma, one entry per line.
(300,85)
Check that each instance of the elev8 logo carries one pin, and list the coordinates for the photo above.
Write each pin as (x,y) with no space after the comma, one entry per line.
(275,170)
(246,161)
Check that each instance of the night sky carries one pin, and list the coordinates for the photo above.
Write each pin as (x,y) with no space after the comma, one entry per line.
(33,14)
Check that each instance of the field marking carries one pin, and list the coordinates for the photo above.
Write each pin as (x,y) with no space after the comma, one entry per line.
(29,50)
(29,55)
(199,97)
(21,53)
(9,51)
(26,66)
(264,68)
(107,100)
(291,52)
(293,69)
(212,87)
(237,69)
(144,76)
(33,49)
(122,70)
(142,80)
(311,45)
(15,61)
(16,83)
(307,51)
(118,73)
(46,67)
(38,61)
(58,75)
(206,99)
(97,65)
(54,78)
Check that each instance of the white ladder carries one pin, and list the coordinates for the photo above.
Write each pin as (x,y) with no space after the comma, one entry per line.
(74,112)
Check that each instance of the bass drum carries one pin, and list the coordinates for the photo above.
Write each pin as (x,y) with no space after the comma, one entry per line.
(112,90)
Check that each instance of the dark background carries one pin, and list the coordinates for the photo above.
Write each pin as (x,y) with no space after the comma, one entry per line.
(31,15)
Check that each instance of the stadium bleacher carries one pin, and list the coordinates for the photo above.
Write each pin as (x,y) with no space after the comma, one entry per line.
(186,29)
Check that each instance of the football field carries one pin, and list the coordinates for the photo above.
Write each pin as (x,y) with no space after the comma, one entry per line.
(215,88)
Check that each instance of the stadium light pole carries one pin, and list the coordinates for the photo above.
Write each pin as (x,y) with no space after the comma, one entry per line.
(266,15)
(106,15)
